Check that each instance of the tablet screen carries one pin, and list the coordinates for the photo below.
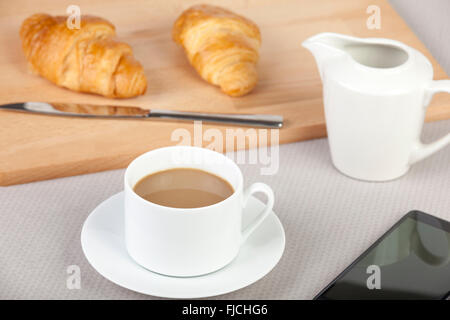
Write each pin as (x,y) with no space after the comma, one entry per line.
(411,261)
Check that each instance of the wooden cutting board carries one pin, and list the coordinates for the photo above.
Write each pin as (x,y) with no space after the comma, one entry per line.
(36,147)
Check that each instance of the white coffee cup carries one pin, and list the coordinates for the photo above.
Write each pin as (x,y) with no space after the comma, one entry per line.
(194,241)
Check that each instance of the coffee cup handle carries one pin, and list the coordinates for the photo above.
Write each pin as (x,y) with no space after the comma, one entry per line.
(254,188)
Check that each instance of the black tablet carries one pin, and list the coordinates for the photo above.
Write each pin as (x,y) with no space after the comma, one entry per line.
(410,261)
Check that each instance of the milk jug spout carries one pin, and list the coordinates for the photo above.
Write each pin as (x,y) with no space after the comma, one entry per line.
(328,46)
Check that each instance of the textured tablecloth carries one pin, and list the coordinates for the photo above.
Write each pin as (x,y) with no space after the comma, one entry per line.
(329,219)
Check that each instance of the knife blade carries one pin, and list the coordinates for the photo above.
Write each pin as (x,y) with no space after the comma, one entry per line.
(125,112)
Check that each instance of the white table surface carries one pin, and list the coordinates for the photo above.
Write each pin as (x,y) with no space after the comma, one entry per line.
(329,219)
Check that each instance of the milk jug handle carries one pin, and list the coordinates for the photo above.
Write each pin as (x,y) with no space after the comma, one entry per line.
(421,151)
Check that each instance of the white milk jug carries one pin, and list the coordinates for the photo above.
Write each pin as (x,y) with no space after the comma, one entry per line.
(375,94)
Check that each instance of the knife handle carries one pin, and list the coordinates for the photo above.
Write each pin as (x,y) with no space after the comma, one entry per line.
(259,120)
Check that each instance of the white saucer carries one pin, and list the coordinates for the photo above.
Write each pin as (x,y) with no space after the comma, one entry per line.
(103,245)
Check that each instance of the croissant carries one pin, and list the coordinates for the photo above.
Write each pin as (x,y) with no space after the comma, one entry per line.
(87,59)
(221,45)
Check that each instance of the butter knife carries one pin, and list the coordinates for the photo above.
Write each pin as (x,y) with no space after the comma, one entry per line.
(122,112)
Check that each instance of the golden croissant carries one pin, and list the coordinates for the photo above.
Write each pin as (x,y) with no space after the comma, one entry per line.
(221,45)
(87,59)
